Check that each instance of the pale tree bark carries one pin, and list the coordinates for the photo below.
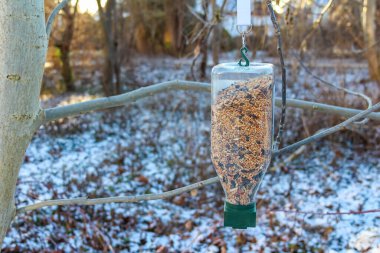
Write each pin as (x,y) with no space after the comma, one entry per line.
(369,29)
(23,44)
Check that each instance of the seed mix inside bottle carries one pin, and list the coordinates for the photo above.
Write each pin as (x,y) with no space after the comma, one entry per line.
(241,135)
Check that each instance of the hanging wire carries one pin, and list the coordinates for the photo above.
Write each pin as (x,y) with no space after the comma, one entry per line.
(283,72)
(248,30)
(243,39)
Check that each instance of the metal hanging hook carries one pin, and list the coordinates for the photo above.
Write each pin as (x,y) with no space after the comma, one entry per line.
(244,49)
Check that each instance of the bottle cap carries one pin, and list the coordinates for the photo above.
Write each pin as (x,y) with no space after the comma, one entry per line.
(239,216)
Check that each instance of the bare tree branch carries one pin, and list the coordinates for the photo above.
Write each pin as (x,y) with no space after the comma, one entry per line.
(121,199)
(328,213)
(223,6)
(54,13)
(198,17)
(366,98)
(127,199)
(316,24)
(330,109)
(76,8)
(120,100)
(277,27)
(130,97)
(333,129)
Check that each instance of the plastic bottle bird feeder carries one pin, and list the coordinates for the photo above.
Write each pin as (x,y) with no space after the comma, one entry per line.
(241,135)
(242,127)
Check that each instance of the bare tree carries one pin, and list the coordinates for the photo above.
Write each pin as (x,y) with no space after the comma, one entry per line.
(174,25)
(21,113)
(217,31)
(369,28)
(63,42)
(202,31)
(111,72)
(23,46)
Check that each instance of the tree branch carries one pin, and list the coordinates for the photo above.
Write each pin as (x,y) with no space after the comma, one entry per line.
(120,100)
(363,96)
(123,99)
(76,8)
(277,27)
(128,199)
(197,16)
(328,213)
(330,109)
(316,24)
(54,13)
(333,129)
(121,199)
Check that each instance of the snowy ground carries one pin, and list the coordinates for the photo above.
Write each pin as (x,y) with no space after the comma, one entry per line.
(162,143)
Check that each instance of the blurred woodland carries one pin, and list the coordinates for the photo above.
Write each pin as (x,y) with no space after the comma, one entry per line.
(106,47)
(122,30)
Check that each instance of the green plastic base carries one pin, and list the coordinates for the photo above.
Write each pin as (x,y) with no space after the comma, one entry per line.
(239,216)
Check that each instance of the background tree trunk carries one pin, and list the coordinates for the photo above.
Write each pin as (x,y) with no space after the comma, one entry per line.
(111,68)
(64,45)
(23,46)
(174,25)
(204,40)
(216,34)
(369,29)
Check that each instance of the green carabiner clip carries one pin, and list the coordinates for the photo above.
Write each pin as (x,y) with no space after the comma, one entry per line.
(244,51)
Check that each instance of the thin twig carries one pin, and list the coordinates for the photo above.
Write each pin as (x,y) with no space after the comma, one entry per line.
(333,129)
(197,16)
(316,24)
(277,27)
(366,98)
(330,109)
(128,199)
(130,97)
(328,213)
(121,199)
(54,13)
(201,31)
(364,50)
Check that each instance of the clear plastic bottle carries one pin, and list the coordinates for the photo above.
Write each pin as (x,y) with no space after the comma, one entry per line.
(241,135)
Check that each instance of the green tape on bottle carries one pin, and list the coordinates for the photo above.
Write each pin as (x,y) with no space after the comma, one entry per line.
(239,216)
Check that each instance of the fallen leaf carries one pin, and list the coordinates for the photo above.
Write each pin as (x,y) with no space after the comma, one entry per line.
(142,179)
(241,239)
(189,225)
(162,249)
(179,200)
(194,193)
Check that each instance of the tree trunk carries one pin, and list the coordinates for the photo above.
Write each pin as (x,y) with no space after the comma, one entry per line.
(174,25)
(203,66)
(369,28)
(66,71)
(106,19)
(216,34)
(65,45)
(216,41)
(23,46)
(204,42)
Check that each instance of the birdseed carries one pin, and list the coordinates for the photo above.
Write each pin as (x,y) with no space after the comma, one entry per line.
(241,137)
